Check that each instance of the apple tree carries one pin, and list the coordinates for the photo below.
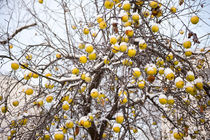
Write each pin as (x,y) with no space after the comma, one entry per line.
(104,69)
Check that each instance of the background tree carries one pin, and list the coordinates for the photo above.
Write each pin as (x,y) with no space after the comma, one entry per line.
(108,69)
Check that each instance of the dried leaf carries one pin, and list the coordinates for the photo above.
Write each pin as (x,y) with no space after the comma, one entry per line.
(76,131)
(181,2)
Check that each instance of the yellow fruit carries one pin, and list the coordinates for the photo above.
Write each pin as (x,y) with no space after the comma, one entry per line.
(173,10)
(128,23)
(10,46)
(59,136)
(131,52)
(104,135)
(113,40)
(170,100)
(29,91)
(102,25)
(99,19)
(125,39)
(89,48)
(83,59)
(29,57)
(15,103)
(69,124)
(74,27)
(75,71)
(123,47)
(188,53)
(40,103)
(135,16)
(199,85)
(115,48)
(71,138)
(151,71)
(146,13)
(170,76)
(81,46)
(119,119)
(169,57)
(94,34)
(15,66)
(181,32)
(83,76)
(178,135)
(125,100)
(48,75)
(34,75)
(129,31)
(87,79)
(49,99)
(58,55)
(106,61)
(187,44)
(92,56)
(163,101)
(180,84)
(116,129)
(194,19)
(190,89)
(153,4)
(108,4)
(124,18)
(40,1)
(190,77)
(12,132)
(65,107)
(154,123)
(161,71)
(126,6)
(136,72)
(142,45)
(86,31)
(94,93)
(87,124)
(3,109)
(141,84)
(155,28)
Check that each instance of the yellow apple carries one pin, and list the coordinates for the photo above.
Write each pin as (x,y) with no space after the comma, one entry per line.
(187,44)
(59,136)
(126,5)
(116,128)
(194,19)
(119,118)
(86,31)
(83,59)
(70,124)
(123,47)
(155,28)
(173,9)
(14,65)
(89,48)
(94,93)
(102,25)
(15,103)
(131,52)
(29,91)
(108,4)
(153,4)
(142,45)
(92,56)
(113,39)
